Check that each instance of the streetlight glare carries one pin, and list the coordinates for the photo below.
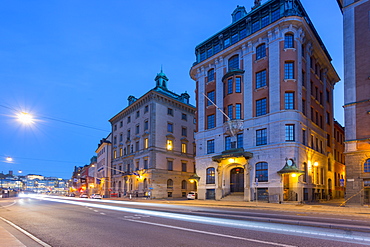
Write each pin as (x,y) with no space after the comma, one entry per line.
(9,159)
(25,118)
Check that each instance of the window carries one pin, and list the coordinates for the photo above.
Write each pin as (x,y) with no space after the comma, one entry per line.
(184,131)
(260,51)
(210,175)
(234,63)
(146,143)
(289,70)
(146,108)
(265,21)
(234,38)
(230,86)
(261,107)
(115,127)
(328,118)
(211,97)
(115,154)
(305,169)
(210,146)
(184,117)
(170,127)
(170,111)
(184,166)
(120,124)
(255,26)
(289,132)
(170,165)
(137,114)
(120,152)
(367,165)
(238,87)
(137,147)
(120,137)
(146,164)
(289,41)
(169,184)
(184,148)
(262,172)
(304,107)
(303,78)
(137,129)
(304,140)
(275,15)
(210,121)
(238,111)
(210,75)
(146,125)
(230,109)
(227,142)
(239,140)
(261,79)
(128,119)
(289,100)
(183,184)
(261,137)
(169,144)
(128,134)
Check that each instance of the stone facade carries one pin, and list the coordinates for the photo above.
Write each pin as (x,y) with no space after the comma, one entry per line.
(273,75)
(153,145)
(356,23)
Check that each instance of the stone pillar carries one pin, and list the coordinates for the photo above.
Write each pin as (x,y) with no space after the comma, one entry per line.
(247,181)
(219,183)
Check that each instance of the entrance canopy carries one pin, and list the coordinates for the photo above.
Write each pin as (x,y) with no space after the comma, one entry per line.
(232,153)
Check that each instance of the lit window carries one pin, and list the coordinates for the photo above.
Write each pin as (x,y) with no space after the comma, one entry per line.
(146,143)
(120,152)
(169,145)
(210,175)
(115,154)
(184,148)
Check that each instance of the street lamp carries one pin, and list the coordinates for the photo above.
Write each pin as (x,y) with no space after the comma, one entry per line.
(194,178)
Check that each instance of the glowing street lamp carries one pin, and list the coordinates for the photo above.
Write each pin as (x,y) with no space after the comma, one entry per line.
(9,159)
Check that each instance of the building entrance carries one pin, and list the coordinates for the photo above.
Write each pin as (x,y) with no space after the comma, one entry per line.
(237,180)
(367,197)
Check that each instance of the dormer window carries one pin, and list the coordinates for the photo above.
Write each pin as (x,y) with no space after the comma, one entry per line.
(238,13)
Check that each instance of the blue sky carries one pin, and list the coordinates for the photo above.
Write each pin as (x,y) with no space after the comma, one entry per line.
(73,63)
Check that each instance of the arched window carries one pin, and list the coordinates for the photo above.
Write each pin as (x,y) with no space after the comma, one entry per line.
(289,40)
(260,51)
(234,63)
(210,175)
(145,182)
(169,184)
(210,75)
(262,172)
(183,184)
(367,165)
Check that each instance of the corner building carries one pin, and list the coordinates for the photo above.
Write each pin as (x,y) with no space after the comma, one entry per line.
(153,145)
(268,134)
(356,25)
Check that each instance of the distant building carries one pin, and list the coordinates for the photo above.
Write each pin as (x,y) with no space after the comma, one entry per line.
(271,134)
(153,144)
(103,167)
(40,184)
(356,23)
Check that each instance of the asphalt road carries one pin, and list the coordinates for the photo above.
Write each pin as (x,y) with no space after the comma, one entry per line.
(60,221)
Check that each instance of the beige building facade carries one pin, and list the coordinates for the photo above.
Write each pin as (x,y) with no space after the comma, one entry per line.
(264,92)
(153,145)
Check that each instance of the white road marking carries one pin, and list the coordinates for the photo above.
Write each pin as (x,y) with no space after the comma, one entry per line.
(14,202)
(212,233)
(102,213)
(26,233)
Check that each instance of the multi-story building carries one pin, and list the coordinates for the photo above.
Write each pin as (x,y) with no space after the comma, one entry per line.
(356,25)
(103,166)
(336,163)
(264,88)
(153,144)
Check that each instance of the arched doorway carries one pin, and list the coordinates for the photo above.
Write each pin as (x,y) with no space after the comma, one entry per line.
(237,180)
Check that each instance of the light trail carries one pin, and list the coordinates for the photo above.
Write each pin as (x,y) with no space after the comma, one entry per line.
(311,232)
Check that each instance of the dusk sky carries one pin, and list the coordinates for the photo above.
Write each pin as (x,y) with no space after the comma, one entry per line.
(72,65)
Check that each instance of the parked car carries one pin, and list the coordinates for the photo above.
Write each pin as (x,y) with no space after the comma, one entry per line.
(96,196)
(192,195)
(72,195)
(84,196)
